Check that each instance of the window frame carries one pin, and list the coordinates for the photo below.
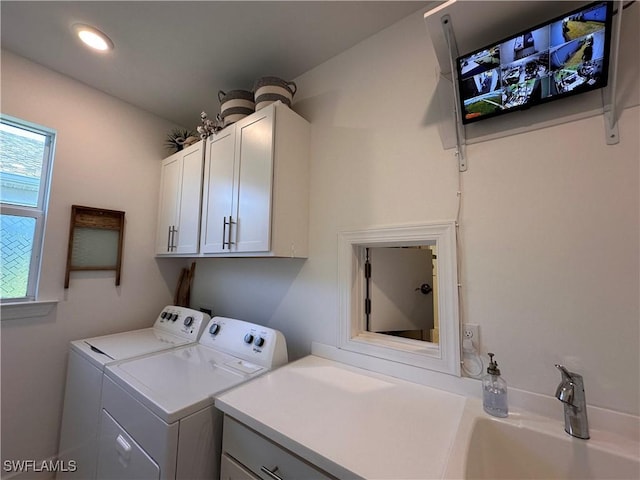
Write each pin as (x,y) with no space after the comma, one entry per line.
(352,335)
(39,212)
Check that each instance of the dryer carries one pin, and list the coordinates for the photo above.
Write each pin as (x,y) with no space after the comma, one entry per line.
(174,327)
(158,414)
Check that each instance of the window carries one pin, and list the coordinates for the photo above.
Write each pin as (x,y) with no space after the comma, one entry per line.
(26,158)
(355,335)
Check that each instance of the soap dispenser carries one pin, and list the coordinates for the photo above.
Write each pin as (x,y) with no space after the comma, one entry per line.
(494,391)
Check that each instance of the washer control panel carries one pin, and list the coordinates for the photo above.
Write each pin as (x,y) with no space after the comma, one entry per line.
(261,345)
(181,321)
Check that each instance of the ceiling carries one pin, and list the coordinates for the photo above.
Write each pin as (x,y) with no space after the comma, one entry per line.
(172,57)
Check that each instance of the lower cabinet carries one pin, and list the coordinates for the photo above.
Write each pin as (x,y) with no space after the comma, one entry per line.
(247,455)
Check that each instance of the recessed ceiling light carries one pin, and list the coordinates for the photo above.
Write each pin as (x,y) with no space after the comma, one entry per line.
(92,37)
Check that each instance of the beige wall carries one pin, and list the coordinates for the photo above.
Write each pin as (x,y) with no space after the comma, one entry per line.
(550,241)
(107,156)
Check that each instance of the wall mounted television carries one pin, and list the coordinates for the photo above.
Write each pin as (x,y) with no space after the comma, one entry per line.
(559,58)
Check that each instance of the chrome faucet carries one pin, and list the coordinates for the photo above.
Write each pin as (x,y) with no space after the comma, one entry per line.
(571,393)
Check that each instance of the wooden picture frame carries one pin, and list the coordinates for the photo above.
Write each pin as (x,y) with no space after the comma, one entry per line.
(96,238)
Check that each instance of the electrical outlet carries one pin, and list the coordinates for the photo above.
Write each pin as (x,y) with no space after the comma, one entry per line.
(472,332)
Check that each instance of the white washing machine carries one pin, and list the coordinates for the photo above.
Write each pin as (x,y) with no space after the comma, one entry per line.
(158,414)
(174,327)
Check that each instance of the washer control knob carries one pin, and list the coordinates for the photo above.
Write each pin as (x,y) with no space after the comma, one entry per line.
(188,321)
(174,317)
(163,315)
(259,341)
(248,338)
(214,328)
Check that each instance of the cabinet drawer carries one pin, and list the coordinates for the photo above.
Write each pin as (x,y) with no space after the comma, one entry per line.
(232,470)
(258,453)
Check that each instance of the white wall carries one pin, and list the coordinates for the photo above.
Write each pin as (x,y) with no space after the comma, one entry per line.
(550,240)
(107,156)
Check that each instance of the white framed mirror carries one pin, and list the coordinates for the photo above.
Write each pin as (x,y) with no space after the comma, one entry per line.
(399,294)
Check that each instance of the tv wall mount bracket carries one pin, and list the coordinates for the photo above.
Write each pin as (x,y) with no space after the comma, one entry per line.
(609,100)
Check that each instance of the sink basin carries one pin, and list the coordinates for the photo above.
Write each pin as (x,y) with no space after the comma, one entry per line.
(521,449)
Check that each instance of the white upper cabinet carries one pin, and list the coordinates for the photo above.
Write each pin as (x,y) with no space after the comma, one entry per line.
(218,190)
(180,198)
(256,186)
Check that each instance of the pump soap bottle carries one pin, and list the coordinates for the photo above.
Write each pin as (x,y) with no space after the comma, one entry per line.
(494,391)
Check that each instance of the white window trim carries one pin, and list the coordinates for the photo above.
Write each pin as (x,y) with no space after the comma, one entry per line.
(40,215)
(26,309)
(443,357)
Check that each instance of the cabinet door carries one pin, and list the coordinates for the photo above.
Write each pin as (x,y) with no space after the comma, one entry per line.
(218,191)
(263,457)
(188,222)
(253,182)
(169,198)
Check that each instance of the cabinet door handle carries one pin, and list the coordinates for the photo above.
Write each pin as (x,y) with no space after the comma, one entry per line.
(271,473)
(174,230)
(169,239)
(224,231)
(231,222)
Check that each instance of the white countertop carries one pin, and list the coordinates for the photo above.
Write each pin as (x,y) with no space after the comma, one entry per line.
(350,422)
(353,423)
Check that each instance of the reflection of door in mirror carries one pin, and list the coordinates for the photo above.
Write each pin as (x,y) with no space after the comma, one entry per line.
(401,287)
